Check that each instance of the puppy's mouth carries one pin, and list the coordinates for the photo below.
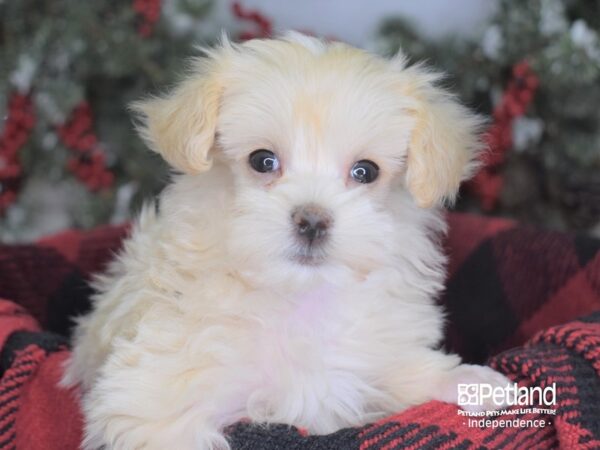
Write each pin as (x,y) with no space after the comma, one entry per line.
(309,256)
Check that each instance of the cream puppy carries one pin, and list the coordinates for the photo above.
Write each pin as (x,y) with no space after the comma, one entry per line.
(291,272)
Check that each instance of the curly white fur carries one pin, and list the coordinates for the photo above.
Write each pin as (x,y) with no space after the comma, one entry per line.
(204,319)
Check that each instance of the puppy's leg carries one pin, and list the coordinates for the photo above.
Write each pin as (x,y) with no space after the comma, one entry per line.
(148,400)
(434,375)
(470,374)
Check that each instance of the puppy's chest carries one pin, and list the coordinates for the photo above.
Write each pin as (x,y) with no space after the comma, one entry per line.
(313,336)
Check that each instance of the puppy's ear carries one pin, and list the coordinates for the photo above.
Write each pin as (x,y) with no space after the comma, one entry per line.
(445,140)
(181,125)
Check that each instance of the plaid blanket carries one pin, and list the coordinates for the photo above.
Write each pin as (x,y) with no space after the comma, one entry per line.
(527,299)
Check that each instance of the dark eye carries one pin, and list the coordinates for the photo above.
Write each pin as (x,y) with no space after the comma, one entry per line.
(264,161)
(364,171)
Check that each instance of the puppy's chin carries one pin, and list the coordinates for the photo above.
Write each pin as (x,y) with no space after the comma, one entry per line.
(308,260)
(291,272)
(309,256)
(300,266)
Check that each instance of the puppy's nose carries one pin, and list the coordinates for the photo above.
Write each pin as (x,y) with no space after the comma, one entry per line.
(312,222)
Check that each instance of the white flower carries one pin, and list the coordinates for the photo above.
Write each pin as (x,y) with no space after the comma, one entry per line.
(492,42)
(585,38)
(581,34)
(23,75)
(526,132)
(122,210)
(552,17)
(49,141)
(179,22)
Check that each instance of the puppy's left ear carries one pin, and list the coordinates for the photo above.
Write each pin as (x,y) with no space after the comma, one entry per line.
(445,140)
(181,125)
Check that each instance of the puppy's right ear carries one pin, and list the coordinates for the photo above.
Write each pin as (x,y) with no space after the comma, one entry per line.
(181,125)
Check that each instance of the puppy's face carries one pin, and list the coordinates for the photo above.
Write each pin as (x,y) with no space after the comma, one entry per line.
(325,142)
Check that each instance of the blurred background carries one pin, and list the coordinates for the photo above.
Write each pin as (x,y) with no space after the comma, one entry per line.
(69,156)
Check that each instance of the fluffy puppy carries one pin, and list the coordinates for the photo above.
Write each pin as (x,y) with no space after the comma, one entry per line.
(291,272)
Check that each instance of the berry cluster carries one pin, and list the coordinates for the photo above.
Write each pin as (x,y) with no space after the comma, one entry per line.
(488,182)
(88,162)
(17,128)
(148,12)
(264,27)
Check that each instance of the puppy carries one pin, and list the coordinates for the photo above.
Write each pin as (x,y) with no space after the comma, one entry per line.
(291,272)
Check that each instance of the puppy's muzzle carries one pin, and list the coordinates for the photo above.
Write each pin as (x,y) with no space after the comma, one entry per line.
(312,223)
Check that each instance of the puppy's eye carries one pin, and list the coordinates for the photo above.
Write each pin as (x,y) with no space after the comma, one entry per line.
(263,161)
(364,171)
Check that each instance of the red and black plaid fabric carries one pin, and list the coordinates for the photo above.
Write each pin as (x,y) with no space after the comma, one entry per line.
(529,299)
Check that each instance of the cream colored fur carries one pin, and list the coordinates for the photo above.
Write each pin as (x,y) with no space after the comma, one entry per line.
(204,319)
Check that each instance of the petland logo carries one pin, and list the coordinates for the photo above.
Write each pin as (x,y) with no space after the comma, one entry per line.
(511,395)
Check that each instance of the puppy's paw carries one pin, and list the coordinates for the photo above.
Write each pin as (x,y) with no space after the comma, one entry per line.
(471,387)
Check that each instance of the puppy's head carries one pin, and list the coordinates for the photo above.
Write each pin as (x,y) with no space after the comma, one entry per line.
(328,148)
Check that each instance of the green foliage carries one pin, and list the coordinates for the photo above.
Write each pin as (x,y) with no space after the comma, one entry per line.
(63,52)
(552,176)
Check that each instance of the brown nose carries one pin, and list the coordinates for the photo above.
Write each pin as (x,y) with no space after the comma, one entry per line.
(312,222)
